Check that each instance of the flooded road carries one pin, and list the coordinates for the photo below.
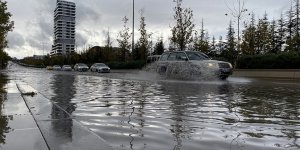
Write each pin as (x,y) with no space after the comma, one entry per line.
(137,110)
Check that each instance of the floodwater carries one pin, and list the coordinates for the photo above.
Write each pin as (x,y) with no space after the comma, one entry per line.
(139,110)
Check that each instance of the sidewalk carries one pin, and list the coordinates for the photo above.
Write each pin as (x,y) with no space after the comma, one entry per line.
(36,123)
(19,128)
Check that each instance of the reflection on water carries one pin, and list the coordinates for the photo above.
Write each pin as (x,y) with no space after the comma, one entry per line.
(3,118)
(274,106)
(64,90)
(178,115)
(157,114)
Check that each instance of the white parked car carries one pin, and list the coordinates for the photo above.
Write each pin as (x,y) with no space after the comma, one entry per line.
(81,67)
(100,67)
(67,68)
(192,63)
(56,68)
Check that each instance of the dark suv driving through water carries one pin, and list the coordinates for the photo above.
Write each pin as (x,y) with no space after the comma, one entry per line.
(193,63)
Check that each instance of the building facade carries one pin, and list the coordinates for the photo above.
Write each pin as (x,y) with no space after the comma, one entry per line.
(64,28)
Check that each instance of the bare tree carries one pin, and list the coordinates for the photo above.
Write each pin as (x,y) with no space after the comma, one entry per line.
(183,30)
(238,11)
(123,40)
(108,40)
(144,43)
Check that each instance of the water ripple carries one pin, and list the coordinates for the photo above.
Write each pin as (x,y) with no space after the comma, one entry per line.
(157,114)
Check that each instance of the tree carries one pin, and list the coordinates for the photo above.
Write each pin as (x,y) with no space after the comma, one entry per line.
(201,42)
(220,46)
(159,47)
(212,48)
(108,40)
(230,53)
(123,40)
(293,39)
(238,11)
(107,50)
(183,30)
(143,45)
(274,37)
(263,35)
(289,26)
(248,46)
(281,32)
(296,21)
(213,43)
(3,59)
(6,25)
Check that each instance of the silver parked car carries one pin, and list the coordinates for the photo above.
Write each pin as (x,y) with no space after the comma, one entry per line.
(67,68)
(192,63)
(100,67)
(56,68)
(81,67)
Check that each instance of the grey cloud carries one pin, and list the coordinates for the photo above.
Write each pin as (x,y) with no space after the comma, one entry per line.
(80,40)
(15,40)
(39,28)
(85,13)
(40,36)
(35,43)
(45,28)
(44,23)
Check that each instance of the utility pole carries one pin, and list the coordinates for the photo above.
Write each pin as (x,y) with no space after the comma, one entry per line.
(132,25)
(297,17)
(297,25)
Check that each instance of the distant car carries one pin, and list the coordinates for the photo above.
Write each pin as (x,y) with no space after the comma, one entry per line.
(67,68)
(49,68)
(56,68)
(81,67)
(100,67)
(192,62)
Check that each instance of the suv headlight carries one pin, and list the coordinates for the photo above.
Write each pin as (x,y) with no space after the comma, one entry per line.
(212,65)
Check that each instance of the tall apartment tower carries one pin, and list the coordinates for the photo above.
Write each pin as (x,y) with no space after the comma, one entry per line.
(64,28)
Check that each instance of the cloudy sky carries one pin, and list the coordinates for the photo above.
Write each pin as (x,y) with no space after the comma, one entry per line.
(33,33)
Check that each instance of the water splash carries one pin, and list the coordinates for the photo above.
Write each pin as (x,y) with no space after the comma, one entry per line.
(183,71)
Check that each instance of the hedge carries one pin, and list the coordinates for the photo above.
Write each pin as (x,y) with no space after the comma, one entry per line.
(288,60)
(127,65)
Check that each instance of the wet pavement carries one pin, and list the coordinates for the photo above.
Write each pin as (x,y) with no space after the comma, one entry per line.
(32,122)
(140,110)
(18,127)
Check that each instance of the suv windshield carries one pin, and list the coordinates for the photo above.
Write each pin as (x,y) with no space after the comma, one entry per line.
(100,65)
(197,56)
(83,65)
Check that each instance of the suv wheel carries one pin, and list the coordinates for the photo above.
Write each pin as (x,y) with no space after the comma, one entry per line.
(162,70)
